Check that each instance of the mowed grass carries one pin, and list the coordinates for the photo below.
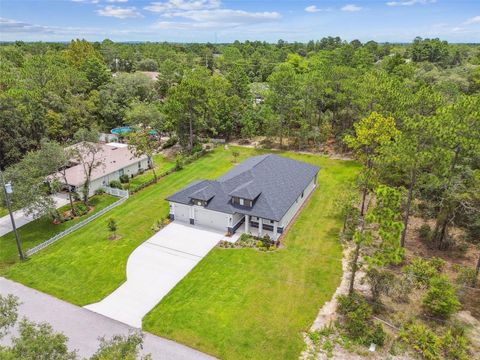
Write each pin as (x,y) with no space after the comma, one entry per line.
(246,304)
(162,164)
(85,266)
(42,229)
(235,304)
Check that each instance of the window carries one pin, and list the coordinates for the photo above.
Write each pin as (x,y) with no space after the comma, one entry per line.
(241,202)
(302,194)
(139,165)
(121,172)
(271,221)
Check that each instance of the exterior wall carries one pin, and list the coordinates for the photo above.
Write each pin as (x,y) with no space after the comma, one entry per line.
(197,215)
(105,180)
(213,219)
(298,203)
(181,212)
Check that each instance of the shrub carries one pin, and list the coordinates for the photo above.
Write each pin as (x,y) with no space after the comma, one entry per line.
(381,282)
(455,344)
(452,345)
(423,340)
(441,299)
(80,209)
(425,233)
(357,320)
(56,216)
(112,227)
(115,184)
(423,270)
(170,142)
(466,276)
(235,154)
(124,179)
(178,164)
(76,196)
(328,348)
(100,191)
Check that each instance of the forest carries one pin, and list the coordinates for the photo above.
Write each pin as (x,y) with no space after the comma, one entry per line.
(409,113)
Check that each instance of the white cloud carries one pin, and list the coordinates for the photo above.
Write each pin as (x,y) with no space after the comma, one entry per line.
(174,5)
(473,20)
(351,8)
(117,1)
(119,12)
(204,14)
(215,19)
(87,1)
(312,9)
(14,26)
(224,15)
(410,2)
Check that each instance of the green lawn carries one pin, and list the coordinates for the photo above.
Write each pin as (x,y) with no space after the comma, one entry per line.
(245,304)
(84,267)
(3,211)
(236,304)
(42,229)
(162,164)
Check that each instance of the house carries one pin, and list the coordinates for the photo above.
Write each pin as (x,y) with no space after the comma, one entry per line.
(115,160)
(259,196)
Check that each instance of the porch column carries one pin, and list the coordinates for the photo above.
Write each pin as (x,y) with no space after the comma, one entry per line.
(192,215)
(275,228)
(260,227)
(247,224)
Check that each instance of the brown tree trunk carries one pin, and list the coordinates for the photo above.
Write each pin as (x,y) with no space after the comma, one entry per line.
(354,269)
(441,225)
(190,140)
(64,175)
(477,270)
(364,197)
(413,180)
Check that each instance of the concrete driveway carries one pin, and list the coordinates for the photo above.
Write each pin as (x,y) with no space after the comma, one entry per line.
(154,268)
(21,218)
(84,328)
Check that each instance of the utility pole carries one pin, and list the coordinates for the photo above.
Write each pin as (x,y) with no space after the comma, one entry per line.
(7,189)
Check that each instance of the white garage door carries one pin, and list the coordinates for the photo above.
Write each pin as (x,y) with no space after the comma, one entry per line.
(212,219)
(182,212)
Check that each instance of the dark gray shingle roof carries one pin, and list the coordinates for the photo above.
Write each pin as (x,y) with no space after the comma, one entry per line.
(275,181)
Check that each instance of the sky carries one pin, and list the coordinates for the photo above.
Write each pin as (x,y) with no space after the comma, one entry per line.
(221,21)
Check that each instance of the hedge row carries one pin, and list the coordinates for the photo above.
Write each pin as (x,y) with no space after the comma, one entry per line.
(180,163)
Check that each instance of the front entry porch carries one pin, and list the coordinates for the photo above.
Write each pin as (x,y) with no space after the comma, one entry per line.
(259,227)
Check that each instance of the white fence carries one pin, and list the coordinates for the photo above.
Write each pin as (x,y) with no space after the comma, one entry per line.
(123,194)
(116,192)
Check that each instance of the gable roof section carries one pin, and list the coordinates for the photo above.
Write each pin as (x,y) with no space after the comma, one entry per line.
(274,181)
(112,156)
(246,191)
(204,193)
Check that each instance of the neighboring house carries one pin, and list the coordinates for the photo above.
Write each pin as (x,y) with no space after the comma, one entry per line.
(259,196)
(116,160)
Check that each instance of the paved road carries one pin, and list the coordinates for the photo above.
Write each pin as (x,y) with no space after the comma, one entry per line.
(154,268)
(84,327)
(21,218)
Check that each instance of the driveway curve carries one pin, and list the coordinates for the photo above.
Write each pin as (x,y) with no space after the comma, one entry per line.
(84,327)
(154,268)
